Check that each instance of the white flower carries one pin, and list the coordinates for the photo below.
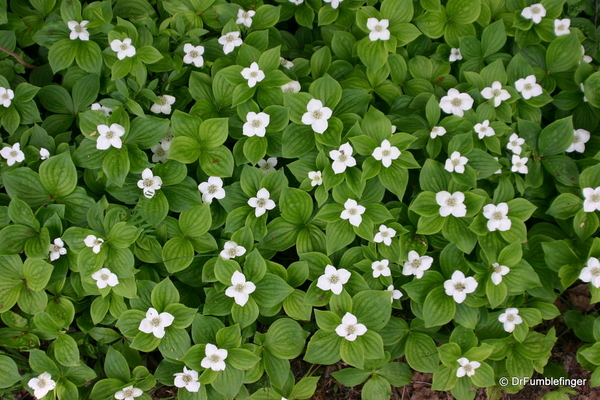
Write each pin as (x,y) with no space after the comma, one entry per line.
(212,189)
(458,287)
(214,358)
(416,265)
(129,393)
(437,131)
(591,273)
(456,163)
(253,74)
(350,329)
(500,170)
(230,41)
(163,105)
(240,291)
(484,130)
(256,124)
(379,29)
(528,87)
(123,49)
(592,199)
(245,17)
(93,242)
(41,385)
(44,154)
(582,87)
(6,96)
(315,178)
(499,272)
(193,55)
(451,203)
(514,143)
(292,87)
(334,3)
(149,183)
(156,323)
(496,92)
(380,268)
(261,203)
(268,165)
(386,153)
(384,235)
(333,279)
(535,12)
(456,103)
(78,30)
(12,154)
(519,164)
(466,367)
(187,379)
(510,318)
(317,116)
(57,249)
(297,2)
(105,277)
(561,26)
(100,107)
(109,136)
(353,212)
(286,63)
(497,217)
(455,55)
(232,250)
(159,154)
(166,141)
(394,127)
(585,58)
(580,138)
(342,158)
(396,294)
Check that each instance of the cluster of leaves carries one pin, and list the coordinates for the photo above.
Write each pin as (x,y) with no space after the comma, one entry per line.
(376,226)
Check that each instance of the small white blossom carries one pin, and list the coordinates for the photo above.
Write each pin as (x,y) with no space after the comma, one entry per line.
(41,385)
(316,116)
(187,379)
(396,294)
(159,154)
(500,170)
(582,87)
(292,87)
(458,286)
(350,329)
(386,153)
(214,358)
(451,203)
(394,128)
(456,103)
(353,212)
(245,18)
(104,277)
(496,92)
(286,63)
(163,105)
(580,138)
(528,87)
(230,41)
(384,235)
(510,318)
(12,154)
(455,55)
(456,163)
(585,58)
(297,2)
(100,107)
(381,268)
(342,158)
(232,250)
(499,272)
(592,199)
(416,264)
(514,143)
(334,3)
(149,183)
(240,290)
(333,279)
(256,124)
(315,178)
(123,48)
(484,129)
(78,30)
(261,203)
(44,154)
(268,165)
(466,367)
(253,74)
(6,96)
(156,323)
(57,249)
(437,131)
(497,217)
(129,393)
(591,273)
(535,12)
(109,136)
(166,141)
(561,26)
(379,29)
(519,164)
(193,55)
(93,242)
(212,189)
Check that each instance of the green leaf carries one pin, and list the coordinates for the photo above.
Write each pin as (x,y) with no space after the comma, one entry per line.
(285,339)
(493,38)
(320,62)
(148,54)
(37,273)
(377,388)
(372,308)
(213,132)
(271,291)
(421,352)
(89,56)
(323,348)
(463,11)
(10,373)
(353,353)
(439,308)
(195,221)
(296,206)
(62,54)
(177,254)
(147,131)
(163,294)
(563,54)
(24,184)
(184,149)
(66,351)
(115,366)
(556,137)
(266,17)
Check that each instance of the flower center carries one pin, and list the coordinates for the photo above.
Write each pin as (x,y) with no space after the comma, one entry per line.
(498,269)
(160,152)
(267,166)
(104,277)
(245,15)
(510,318)
(230,38)
(155,321)
(352,211)
(168,138)
(519,164)
(42,383)
(163,100)
(380,267)
(595,198)
(595,271)
(334,279)
(124,47)
(187,378)
(240,287)
(14,153)
(496,92)
(110,134)
(148,182)
(560,27)
(214,358)
(193,54)
(459,287)
(343,157)
(283,61)
(351,329)
(451,202)
(386,153)
(416,264)
(253,74)
(528,86)
(78,28)
(384,234)
(378,28)
(5,96)
(576,139)
(498,216)
(456,162)
(212,189)
(56,248)
(514,143)
(468,368)
(317,114)
(256,123)
(231,252)
(98,242)
(290,89)
(535,10)
(261,202)
(456,102)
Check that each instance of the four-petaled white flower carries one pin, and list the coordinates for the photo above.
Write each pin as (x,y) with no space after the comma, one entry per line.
(458,286)
(78,30)
(230,41)
(416,264)
(212,189)
(456,163)
(396,294)
(286,63)
(109,136)
(333,279)
(497,217)
(12,154)
(456,103)
(591,273)
(528,87)
(584,57)
(514,143)
(466,367)
(353,212)
(156,323)
(100,107)
(484,129)
(94,242)
(187,379)
(163,105)
(41,385)
(455,55)
(232,250)
(519,164)
(166,141)
(334,3)
(129,393)
(381,268)
(6,96)
(193,55)
(240,291)
(105,277)
(149,183)
(215,358)
(123,48)
(499,272)
(580,138)
(342,158)
(159,154)
(316,116)
(268,165)
(561,26)
(496,92)
(386,153)
(256,124)
(592,199)
(292,87)
(384,235)
(350,329)
(261,203)
(437,131)
(253,74)
(451,203)
(245,18)
(379,29)
(57,249)
(535,12)
(315,178)
(510,318)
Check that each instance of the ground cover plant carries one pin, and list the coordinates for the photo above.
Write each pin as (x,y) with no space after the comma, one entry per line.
(199,196)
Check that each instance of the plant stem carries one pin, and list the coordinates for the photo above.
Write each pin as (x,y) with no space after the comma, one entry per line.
(19,59)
